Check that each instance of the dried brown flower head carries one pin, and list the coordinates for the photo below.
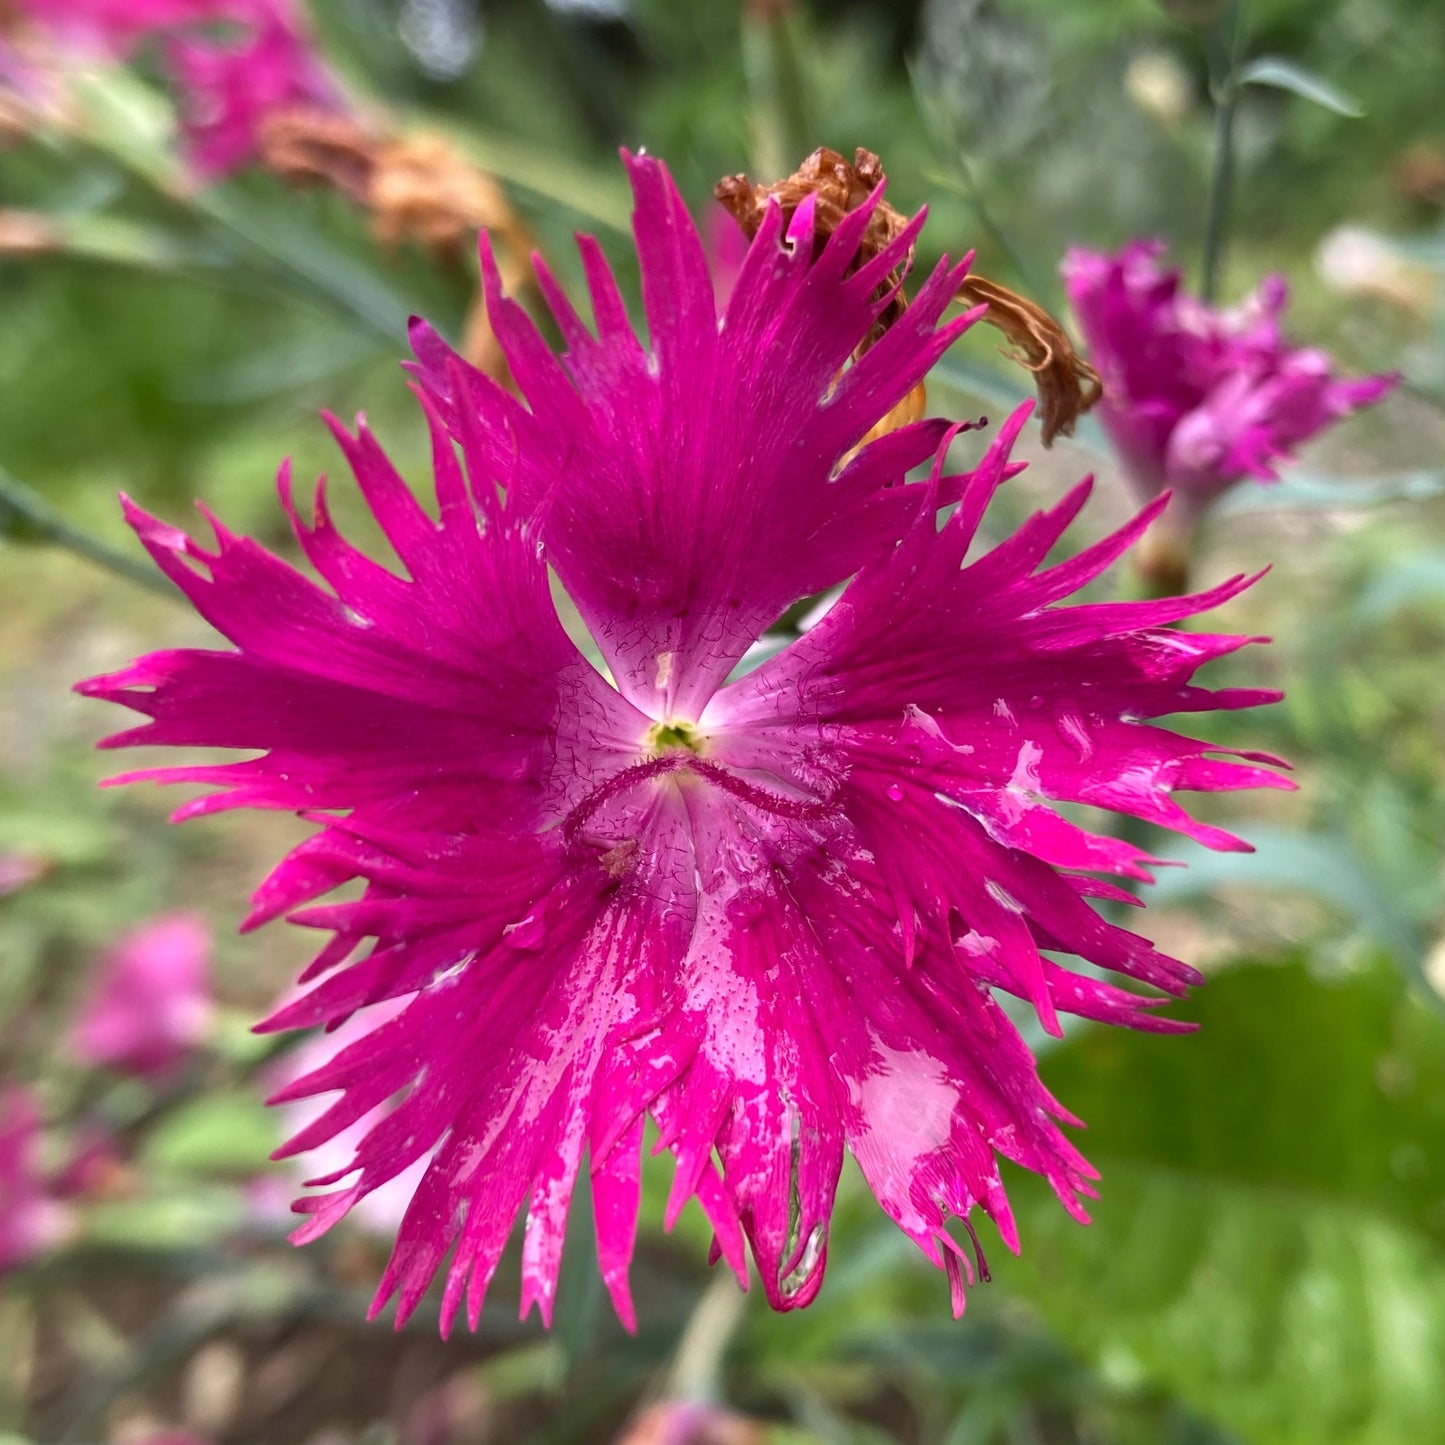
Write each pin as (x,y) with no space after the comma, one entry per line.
(416,188)
(1419,173)
(308,146)
(1067,385)
(423,190)
(840,187)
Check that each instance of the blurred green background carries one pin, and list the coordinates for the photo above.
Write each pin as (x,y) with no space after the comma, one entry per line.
(1267,1263)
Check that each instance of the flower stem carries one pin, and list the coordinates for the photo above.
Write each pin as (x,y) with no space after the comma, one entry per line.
(970,189)
(696,1372)
(1162,560)
(1225,89)
(777,108)
(27,517)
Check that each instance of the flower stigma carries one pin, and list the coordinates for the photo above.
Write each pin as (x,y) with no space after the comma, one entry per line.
(664,737)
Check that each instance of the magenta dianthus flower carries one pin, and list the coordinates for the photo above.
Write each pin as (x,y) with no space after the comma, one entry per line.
(149,1004)
(1196,398)
(768,911)
(231,86)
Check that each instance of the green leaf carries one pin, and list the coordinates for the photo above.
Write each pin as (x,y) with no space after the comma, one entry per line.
(57,837)
(187,1218)
(1408,582)
(129,121)
(961,376)
(1270,1241)
(1278,73)
(1304,490)
(554,177)
(1326,867)
(763,650)
(218,1133)
(121,241)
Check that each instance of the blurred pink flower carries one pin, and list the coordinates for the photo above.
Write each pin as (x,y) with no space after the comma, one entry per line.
(769,911)
(230,86)
(30,1221)
(690,1422)
(149,1004)
(1197,398)
(18,870)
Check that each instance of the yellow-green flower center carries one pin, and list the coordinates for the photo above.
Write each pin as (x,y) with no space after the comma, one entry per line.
(663,737)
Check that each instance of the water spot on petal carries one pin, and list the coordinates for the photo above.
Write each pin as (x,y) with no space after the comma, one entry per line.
(1003,897)
(528,933)
(1026,769)
(976,944)
(796,1279)
(1072,727)
(451,973)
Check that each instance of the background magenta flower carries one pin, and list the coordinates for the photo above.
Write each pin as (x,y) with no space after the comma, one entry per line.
(30,1221)
(235,63)
(232,84)
(768,912)
(149,1004)
(1197,398)
(692,1422)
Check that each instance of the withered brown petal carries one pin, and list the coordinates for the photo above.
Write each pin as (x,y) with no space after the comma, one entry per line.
(1068,386)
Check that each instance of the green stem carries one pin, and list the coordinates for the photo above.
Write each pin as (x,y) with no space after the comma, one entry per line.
(993,229)
(696,1372)
(948,145)
(27,517)
(1225,89)
(277,248)
(777,113)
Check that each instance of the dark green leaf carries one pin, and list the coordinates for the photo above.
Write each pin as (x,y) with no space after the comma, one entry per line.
(1269,1240)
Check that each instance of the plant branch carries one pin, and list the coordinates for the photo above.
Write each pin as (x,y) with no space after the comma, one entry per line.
(1225,88)
(696,1372)
(966,186)
(27,517)
(776,106)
